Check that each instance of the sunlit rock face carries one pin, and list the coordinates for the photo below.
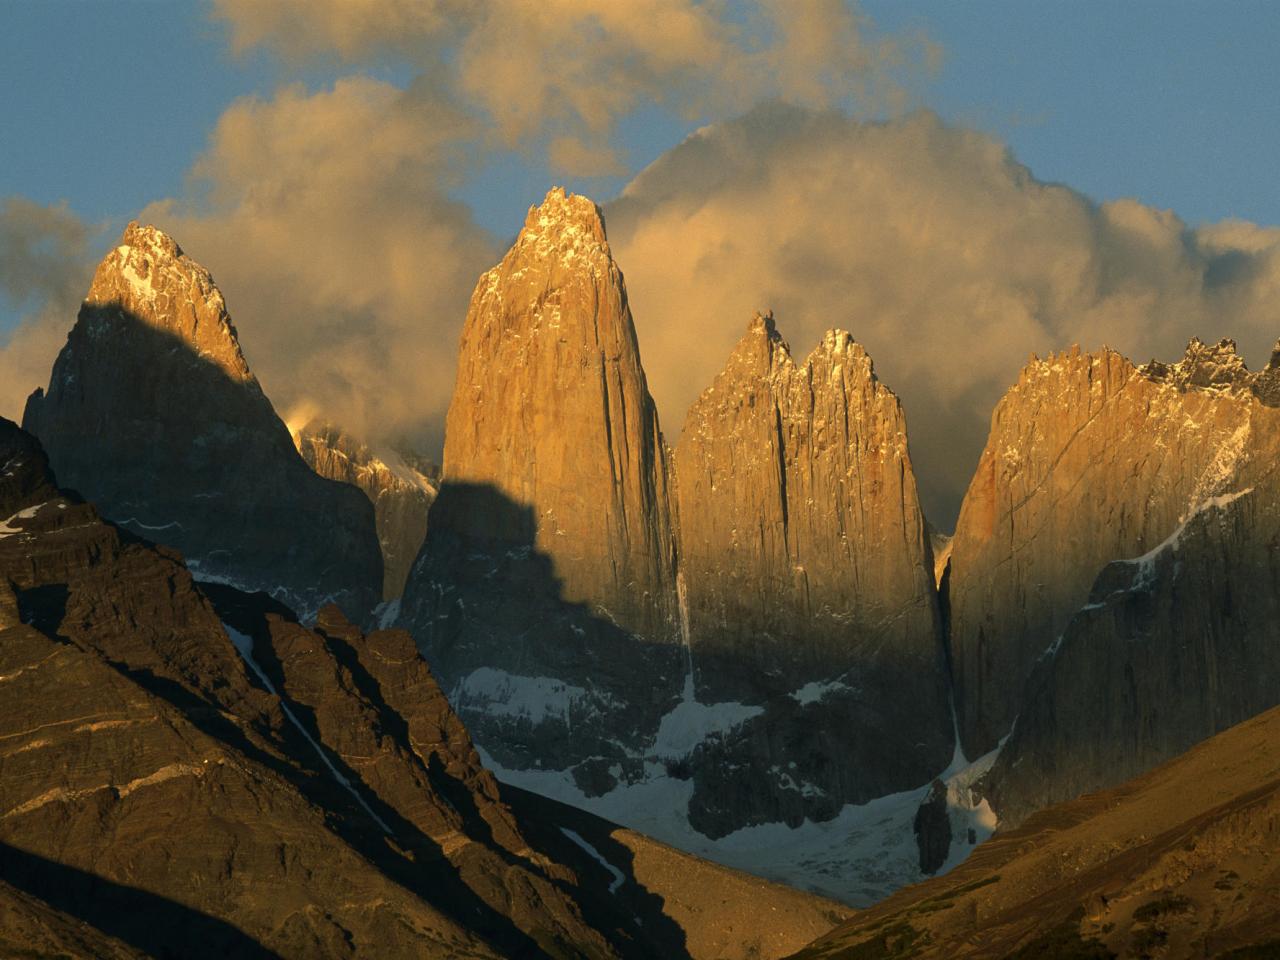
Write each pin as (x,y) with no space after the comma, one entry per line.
(1178,637)
(153,414)
(545,593)
(1090,460)
(400,492)
(808,583)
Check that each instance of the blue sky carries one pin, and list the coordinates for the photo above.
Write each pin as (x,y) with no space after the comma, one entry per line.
(108,103)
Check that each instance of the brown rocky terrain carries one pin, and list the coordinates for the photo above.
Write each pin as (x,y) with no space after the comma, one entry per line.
(544,595)
(1177,863)
(153,414)
(310,794)
(1090,460)
(808,586)
(400,494)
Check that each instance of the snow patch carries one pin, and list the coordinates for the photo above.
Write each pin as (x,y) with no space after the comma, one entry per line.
(818,690)
(691,722)
(501,694)
(861,856)
(7,529)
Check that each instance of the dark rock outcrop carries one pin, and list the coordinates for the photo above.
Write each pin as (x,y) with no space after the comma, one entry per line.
(1172,647)
(401,494)
(932,827)
(808,586)
(544,595)
(152,413)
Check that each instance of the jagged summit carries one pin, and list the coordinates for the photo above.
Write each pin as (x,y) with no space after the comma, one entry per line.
(565,216)
(150,277)
(809,587)
(1089,459)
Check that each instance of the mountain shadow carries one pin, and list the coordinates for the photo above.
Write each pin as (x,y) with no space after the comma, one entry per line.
(181,446)
(160,927)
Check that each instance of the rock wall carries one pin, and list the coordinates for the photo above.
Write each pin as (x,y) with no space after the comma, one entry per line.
(809,586)
(400,494)
(1090,460)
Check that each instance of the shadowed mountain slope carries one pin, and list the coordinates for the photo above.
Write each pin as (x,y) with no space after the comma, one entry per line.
(152,413)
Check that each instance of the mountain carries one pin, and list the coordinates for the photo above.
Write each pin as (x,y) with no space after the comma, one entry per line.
(185,770)
(153,414)
(773,698)
(808,584)
(1090,460)
(1179,642)
(1177,863)
(544,595)
(400,493)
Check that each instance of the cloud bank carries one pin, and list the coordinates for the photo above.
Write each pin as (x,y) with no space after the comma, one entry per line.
(44,272)
(560,74)
(944,256)
(347,268)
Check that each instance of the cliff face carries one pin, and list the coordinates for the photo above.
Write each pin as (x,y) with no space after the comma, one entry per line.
(1089,460)
(1175,644)
(545,592)
(400,494)
(152,413)
(809,589)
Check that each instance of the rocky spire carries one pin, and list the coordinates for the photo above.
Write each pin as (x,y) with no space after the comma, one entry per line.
(809,581)
(153,414)
(555,479)
(400,493)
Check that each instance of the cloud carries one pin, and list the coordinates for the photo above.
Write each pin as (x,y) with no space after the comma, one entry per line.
(944,256)
(560,74)
(44,271)
(347,268)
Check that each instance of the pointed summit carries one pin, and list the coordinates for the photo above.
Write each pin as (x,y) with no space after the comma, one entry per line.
(153,414)
(150,277)
(555,479)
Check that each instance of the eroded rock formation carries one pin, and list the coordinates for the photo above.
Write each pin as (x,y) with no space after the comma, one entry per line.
(153,414)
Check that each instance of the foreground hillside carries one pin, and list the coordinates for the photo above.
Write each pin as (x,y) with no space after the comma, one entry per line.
(1180,862)
(187,771)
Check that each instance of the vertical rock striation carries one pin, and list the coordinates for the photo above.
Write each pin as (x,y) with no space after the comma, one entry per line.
(153,413)
(809,588)
(401,494)
(544,595)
